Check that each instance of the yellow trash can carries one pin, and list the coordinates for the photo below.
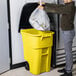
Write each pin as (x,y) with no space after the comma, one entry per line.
(37,49)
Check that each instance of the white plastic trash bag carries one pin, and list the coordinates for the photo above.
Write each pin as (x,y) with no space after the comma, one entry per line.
(40,20)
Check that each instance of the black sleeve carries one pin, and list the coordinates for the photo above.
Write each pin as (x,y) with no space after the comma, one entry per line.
(56,8)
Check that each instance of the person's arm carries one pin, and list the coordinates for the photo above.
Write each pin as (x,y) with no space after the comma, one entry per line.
(56,8)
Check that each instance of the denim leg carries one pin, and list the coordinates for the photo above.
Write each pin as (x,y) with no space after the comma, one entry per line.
(68,40)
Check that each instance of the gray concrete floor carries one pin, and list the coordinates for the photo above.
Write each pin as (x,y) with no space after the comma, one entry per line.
(23,72)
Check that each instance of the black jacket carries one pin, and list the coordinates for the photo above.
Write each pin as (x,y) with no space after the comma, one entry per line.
(25,14)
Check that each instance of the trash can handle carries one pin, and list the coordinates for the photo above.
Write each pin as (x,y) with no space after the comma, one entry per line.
(45,36)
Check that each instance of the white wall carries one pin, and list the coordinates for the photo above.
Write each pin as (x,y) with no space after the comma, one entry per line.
(4,42)
(15,12)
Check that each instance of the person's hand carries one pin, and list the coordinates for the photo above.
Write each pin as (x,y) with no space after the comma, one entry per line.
(69,1)
(40,7)
(43,3)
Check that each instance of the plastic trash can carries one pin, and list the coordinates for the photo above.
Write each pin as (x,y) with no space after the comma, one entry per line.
(37,49)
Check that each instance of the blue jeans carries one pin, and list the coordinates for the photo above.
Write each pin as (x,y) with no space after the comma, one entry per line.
(68,37)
